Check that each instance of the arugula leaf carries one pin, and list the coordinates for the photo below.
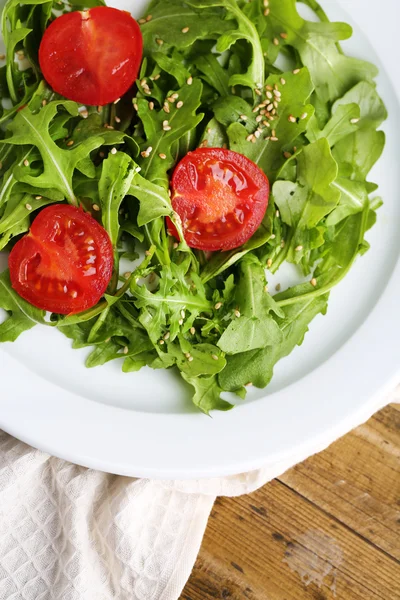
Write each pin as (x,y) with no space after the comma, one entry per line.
(256,367)
(245,30)
(332,72)
(59,165)
(213,73)
(357,153)
(343,122)
(160,139)
(154,200)
(306,202)
(207,395)
(168,19)
(372,109)
(22,316)
(264,148)
(15,219)
(255,327)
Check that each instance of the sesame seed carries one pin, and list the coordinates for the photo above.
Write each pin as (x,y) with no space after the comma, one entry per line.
(171,99)
(287,154)
(44,102)
(117,100)
(166,107)
(159,41)
(28,207)
(283,81)
(266,288)
(283,35)
(269,95)
(313,282)
(157,76)
(276,41)
(258,92)
(149,18)
(96,207)
(141,21)
(277,214)
(166,336)
(304,116)
(256,108)
(292,119)
(127,274)
(266,3)
(151,105)
(147,253)
(26,162)
(179,104)
(270,107)
(84,114)
(266,12)
(203,144)
(354,121)
(161,342)
(257,134)
(126,350)
(185,29)
(180,321)
(275,104)
(38,197)
(135,106)
(218,305)
(243,117)
(182,313)
(162,156)
(259,118)
(298,248)
(192,330)
(117,119)
(214,356)
(273,138)
(249,137)
(175,245)
(278,287)
(296,71)
(277,93)
(113,151)
(269,263)
(175,96)
(269,88)
(143,82)
(273,132)
(273,236)
(189,81)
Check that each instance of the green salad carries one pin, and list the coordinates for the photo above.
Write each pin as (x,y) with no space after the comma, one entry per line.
(251,77)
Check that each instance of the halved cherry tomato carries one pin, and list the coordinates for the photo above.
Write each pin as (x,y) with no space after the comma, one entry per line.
(221,197)
(64,263)
(92,57)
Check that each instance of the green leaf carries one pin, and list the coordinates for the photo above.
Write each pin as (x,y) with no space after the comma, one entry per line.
(16,217)
(118,171)
(154,200)
(343,122)
(172,66)
(206,359)
(255,328)
(256,367)
(357,153)
(332,72)
(207,395)
(59,165)
(372,108)
(168,19)
(306,202)
(353,199)
(22,316)
(213,73)
(267,153)
(160,140)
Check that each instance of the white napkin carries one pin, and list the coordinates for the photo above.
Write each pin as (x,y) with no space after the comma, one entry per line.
(71,533)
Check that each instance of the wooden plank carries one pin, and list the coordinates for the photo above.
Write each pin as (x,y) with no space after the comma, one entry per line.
(357,480)
(334,518)
(258,547)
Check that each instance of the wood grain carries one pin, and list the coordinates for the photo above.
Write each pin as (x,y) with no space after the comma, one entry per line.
(329,528)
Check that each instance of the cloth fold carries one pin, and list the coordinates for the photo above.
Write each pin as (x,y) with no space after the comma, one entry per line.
(71,533)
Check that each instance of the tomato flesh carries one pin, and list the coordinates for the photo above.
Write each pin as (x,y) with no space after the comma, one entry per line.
(92,57)
(64,263)
(221,197)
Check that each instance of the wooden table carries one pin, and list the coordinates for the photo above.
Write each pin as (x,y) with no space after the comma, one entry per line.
(328,528)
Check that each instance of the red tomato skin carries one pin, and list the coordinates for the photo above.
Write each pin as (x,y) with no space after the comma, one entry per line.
(221,197)
(92,57)
(64,264)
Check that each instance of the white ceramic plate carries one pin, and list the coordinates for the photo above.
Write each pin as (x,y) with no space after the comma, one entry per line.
(143,424)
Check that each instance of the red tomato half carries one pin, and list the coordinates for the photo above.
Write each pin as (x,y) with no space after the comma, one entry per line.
(92,57)
(221,197)
(64,263)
